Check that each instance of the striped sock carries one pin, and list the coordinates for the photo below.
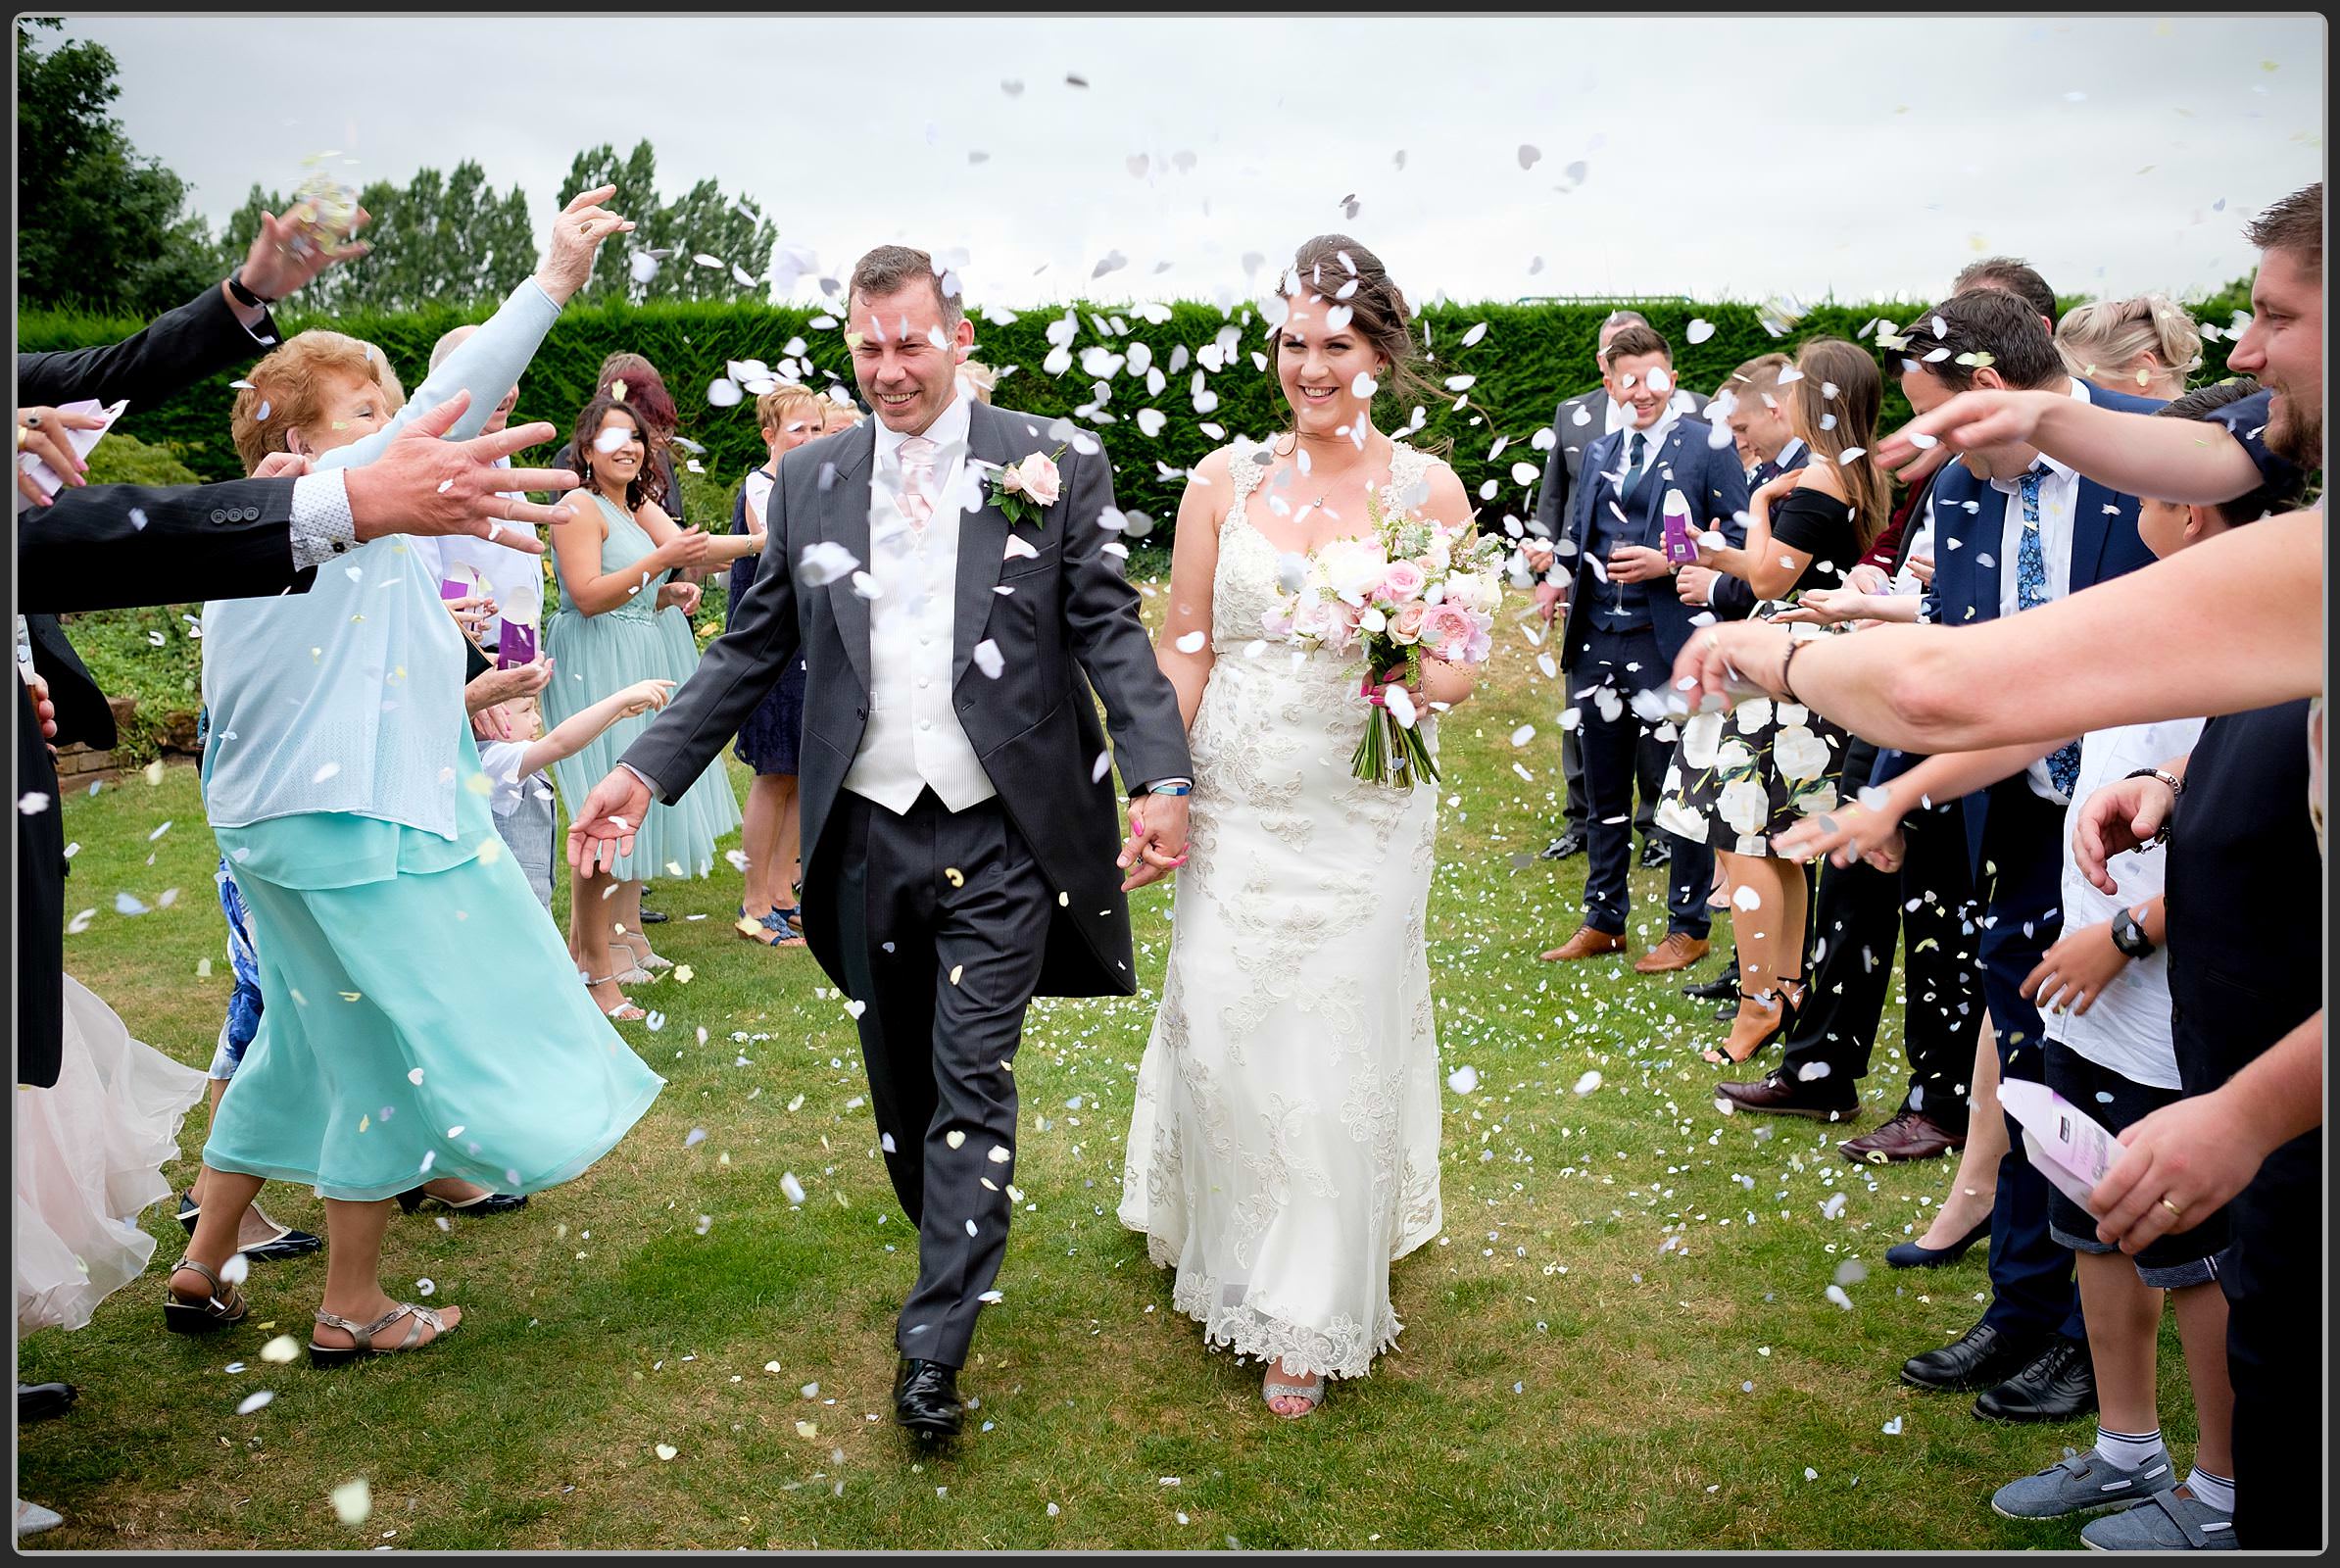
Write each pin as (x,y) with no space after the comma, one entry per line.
(2131,1450)
(2218,1491)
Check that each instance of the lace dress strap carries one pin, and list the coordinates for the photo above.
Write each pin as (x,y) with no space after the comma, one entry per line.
(1245,467)
(1408,466)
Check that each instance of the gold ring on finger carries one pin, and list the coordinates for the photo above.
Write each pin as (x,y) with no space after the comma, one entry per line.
(2172,1208)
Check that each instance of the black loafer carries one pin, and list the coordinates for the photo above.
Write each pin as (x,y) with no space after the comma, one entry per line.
(41,1401)
(655,917)
(1566,844)
(414,1198)
(926,1399)
(2059,1384)
(1908,1254)
(286,1243)
(1979,1358)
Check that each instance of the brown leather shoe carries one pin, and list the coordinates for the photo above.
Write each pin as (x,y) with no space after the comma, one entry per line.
(1908,1136)
(1780,1094)
(1678,951)
(1586,944)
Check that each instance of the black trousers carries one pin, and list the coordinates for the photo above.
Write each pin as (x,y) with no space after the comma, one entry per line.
(2276,1349)
(1859,912)
(2032,1288)
(1629,662)
(943,917)
(1649,767)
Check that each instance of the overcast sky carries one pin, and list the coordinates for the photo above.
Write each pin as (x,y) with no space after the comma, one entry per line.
(1712,157)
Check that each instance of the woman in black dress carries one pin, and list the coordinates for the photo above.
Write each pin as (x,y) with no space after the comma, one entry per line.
(788,416)
(1741,776)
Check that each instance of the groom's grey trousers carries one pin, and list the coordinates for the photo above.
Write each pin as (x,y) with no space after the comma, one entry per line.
(943,916)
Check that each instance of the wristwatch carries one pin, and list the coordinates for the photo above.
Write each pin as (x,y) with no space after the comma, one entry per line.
(2130,936)
(235,287)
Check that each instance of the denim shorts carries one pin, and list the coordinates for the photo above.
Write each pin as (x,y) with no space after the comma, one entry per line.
(2172,1262)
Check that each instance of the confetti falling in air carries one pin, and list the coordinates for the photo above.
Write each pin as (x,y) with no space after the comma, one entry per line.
(259,1399)
(793,1189)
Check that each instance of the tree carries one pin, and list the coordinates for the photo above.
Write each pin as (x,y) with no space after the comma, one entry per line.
(703,222)
(99,227)
(442,240)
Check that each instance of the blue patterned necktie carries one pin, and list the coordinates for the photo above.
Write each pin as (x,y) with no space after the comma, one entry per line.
(1632,466)
(2030,592)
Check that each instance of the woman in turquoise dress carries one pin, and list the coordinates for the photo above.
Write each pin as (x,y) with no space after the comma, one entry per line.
(613,557)
(420,1019)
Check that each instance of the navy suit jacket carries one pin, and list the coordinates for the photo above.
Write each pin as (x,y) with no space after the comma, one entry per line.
(1968,521)
(1707,476)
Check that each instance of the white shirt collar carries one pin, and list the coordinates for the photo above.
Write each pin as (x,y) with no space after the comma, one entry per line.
(1656,434)
(949,428)
(1796,444)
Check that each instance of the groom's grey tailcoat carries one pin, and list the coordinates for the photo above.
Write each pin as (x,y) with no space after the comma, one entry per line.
(1034,728)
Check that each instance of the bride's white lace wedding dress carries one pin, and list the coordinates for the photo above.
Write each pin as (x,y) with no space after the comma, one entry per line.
(1283,1146)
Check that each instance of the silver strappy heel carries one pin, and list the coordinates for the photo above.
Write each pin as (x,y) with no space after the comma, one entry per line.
(224,1307)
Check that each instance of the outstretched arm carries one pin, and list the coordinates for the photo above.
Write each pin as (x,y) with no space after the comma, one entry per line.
(2232,624)
(2140,454)
(582,729)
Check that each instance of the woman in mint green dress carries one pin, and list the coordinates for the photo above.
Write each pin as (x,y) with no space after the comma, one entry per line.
(421,1017)
(613,557)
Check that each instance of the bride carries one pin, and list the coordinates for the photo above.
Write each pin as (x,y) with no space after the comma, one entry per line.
(1284,1145)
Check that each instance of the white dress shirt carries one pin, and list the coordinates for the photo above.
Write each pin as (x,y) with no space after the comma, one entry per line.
(2059,504)
(914,739)
(514,578)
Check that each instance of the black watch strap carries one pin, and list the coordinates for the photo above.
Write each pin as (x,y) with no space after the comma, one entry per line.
(235,287)
(2128,935)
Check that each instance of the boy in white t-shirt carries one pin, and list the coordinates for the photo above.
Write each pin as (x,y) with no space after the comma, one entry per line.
(516,770)
(2103,993)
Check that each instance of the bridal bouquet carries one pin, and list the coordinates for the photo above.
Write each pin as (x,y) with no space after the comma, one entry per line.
(1408,587)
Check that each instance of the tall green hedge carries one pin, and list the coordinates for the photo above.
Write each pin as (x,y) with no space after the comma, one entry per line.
(1530,356)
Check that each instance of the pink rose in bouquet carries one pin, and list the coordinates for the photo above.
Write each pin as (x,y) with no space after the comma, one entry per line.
(1405,621)
(1448,632)
(1403,582)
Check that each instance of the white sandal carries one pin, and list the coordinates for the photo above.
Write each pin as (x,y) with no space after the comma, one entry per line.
(1277,1385)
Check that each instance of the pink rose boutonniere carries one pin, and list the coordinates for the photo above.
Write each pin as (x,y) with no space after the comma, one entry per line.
(1031,484)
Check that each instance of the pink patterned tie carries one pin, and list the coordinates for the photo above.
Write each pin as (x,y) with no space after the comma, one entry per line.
(917,478)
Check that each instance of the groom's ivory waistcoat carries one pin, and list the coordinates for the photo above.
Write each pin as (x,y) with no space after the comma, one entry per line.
(913,738)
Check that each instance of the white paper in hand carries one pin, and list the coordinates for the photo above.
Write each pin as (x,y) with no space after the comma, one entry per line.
(2069,1146)
(81,442)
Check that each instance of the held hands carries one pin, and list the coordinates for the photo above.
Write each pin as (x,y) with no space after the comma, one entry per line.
(1157,843)
(1638,563)
(577,235)
(280,261)
(683,595)
(41,432)
(642,697)
(423,484)
(603,827)
(2074,973)
(2191,1157)
(2122,816)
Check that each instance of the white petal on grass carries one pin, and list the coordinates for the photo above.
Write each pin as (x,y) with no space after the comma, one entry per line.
(1463,1080)
(353,1502)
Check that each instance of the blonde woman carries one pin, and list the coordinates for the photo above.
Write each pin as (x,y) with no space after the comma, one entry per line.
(2145,347)
(788,415)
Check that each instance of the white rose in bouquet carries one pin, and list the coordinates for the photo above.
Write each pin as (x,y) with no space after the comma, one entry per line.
(1353,568)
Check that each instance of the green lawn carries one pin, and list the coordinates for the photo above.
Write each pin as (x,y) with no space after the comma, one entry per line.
(1620,1340)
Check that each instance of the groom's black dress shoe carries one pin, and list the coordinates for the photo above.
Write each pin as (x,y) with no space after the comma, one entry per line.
(926,1399)
(38,1401)
(2060,1384)
(1979,1358)
(1570,842)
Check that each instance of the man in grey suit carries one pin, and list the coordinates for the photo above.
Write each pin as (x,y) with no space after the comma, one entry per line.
(1577,423)
(960,830)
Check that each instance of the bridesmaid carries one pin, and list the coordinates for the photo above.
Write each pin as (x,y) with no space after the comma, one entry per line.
(787,417)
(614,555)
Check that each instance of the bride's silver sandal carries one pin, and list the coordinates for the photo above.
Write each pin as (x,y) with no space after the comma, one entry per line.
(363,1334)
(1277,1385)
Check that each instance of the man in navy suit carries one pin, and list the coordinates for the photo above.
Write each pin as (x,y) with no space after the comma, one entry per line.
(1626,622)
(2014,530)
(1577,423)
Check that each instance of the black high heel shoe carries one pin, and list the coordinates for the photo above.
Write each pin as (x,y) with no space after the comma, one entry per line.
(1913,1254)
(414,1198)
(1790,1005)
(286,1243)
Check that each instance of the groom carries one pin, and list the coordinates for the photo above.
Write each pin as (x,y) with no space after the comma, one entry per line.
(959,833)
